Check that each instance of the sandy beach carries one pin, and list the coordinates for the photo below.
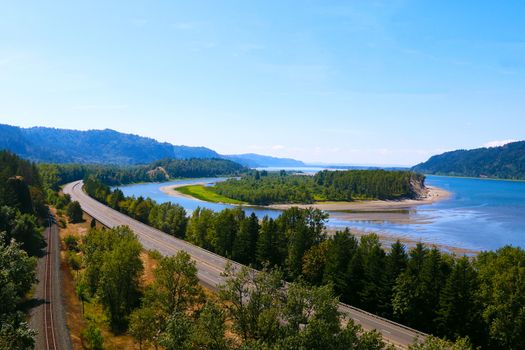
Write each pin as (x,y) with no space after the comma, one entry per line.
(172,190)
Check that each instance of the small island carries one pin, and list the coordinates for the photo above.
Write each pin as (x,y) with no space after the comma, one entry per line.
(328,190)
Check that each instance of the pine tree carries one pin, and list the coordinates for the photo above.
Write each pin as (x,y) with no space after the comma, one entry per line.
(373,292)
(459,311)
(396,262)
(339,255)
(269,250)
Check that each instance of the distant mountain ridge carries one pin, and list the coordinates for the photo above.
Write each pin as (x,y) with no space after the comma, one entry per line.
(42,144)
(253,160)
(504,162)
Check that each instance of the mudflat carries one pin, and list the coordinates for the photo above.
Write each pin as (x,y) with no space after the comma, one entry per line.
(432,195)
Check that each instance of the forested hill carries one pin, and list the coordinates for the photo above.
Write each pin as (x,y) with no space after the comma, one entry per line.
(54,175)
(107,146)
(505,162)
(92,146)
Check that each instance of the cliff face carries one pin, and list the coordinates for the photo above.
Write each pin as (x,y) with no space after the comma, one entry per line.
(417,183)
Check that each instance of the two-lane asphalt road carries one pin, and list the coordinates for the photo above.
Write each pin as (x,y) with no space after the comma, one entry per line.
(210,265)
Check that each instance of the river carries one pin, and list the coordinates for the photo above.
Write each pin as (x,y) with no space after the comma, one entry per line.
(481,214)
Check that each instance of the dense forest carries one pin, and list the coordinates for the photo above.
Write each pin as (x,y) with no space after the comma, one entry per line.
(263,188)
(250,311)
(54,175)
(505,162)
(22,211)
(453,297)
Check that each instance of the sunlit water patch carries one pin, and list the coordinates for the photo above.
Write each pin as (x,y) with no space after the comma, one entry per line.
(480,214)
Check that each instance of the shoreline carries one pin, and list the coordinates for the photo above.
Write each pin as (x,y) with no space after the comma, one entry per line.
(171,190)
(374,210)
(432,195)
(388,239)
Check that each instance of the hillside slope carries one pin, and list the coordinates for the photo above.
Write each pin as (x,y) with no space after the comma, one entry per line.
(505,162)
(108,147)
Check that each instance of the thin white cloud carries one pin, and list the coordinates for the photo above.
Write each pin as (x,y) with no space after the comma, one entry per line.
(498,143)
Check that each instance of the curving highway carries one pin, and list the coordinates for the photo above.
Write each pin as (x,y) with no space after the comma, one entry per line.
(210,265)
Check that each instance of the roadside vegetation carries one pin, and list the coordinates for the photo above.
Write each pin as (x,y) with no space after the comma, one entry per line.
(263,188)
(23,212)
(445,295)
(206,193)
(170,310)
(88,321)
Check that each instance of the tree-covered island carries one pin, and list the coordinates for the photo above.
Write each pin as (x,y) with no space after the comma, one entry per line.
(265,188)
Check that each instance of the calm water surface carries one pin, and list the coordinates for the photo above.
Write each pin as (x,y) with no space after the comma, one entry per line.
(481,214)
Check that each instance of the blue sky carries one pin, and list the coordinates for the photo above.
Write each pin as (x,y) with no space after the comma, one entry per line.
(361,82)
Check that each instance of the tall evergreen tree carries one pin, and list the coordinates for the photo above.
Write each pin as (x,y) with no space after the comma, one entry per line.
(459,312)
(303,228)
(436,268)
(271,245)
(396,262)
(410,293)
(17,195)
(200,226)
(226,226)
(502,291)
(373,292)
(339,255)
(245,243)
(355,274)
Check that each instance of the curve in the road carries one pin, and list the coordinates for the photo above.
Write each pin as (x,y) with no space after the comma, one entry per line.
(210,265)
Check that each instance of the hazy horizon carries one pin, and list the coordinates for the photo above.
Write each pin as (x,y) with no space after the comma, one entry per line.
(382,82)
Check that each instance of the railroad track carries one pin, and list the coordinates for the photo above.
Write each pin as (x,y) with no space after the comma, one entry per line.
(49,326)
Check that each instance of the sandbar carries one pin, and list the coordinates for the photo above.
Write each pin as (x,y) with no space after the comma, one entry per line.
(431,195)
